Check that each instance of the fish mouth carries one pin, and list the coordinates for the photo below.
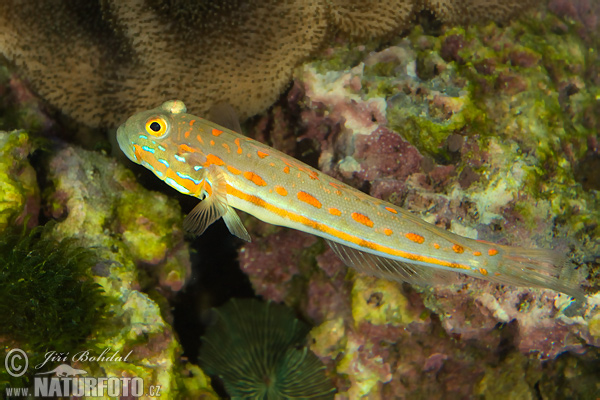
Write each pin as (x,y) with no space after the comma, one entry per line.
(125,145)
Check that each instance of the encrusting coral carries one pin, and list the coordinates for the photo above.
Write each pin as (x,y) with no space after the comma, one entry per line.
(258,350)
(99,62)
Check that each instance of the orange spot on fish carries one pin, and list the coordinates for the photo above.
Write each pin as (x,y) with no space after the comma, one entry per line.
(212,159)
(254,178)
(261,154)
(435,245)
(492,252)
(309,199)
(313,224)
(216,132)
(301,167)
(286,170)
(335,211)
(184,148)
(362,219)
(388,231)
(226,146)
(237,143)
(160,167)
(233,170)
(207,187)
(458,249)
(186,134)
(415,238)
(137,151)
(199,138)
(390,209)
(281,190)
(477,253)
(483,271)
(212,142)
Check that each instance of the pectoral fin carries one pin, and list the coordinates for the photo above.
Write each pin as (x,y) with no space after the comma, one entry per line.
(213,205)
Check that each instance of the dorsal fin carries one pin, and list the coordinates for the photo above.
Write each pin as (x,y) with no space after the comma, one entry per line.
(223,114)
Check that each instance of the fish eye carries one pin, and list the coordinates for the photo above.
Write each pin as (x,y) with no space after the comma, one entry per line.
(156,126)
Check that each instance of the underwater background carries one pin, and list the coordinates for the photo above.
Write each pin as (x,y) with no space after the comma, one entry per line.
(482,117)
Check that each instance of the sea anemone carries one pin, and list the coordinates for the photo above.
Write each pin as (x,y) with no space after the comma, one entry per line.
(257,349)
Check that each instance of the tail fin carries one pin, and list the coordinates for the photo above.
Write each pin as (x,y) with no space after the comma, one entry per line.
(537,267)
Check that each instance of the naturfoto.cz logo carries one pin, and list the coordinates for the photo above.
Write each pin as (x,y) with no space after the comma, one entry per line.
(66,381)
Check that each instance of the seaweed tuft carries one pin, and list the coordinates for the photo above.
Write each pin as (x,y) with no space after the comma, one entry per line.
(258,350)
(49,299)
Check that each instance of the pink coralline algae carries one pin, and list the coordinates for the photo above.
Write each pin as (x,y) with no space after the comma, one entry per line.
(586,12)
(284,249)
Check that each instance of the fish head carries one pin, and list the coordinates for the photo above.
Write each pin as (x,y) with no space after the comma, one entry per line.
(144,132)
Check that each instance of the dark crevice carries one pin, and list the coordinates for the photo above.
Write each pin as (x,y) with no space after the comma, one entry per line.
(587,172)
(216,277)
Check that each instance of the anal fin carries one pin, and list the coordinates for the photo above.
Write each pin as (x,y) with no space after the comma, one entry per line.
(391,269)
(235,225)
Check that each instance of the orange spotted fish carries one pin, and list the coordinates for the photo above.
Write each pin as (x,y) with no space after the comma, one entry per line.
(227,170)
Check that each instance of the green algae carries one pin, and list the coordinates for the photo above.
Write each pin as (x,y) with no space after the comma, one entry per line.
(196,384)
(48,300)
(147,239)
(342,57)
(380,302)
(329,338)
(18,182)
(518,376)
(511,380)
(594,326)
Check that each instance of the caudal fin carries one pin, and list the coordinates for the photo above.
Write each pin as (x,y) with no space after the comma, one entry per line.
(537,267)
